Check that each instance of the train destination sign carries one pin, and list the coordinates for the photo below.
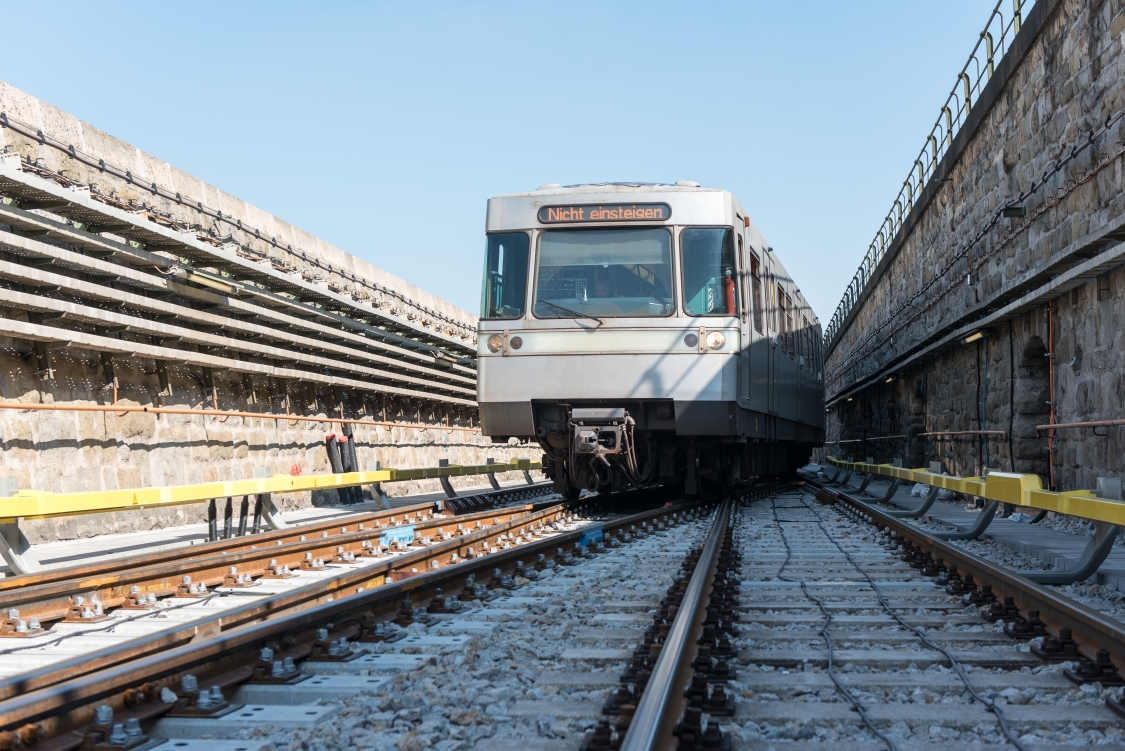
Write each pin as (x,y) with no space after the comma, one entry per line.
(605,212)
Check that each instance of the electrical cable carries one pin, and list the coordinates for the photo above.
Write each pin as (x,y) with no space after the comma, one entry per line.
(841,688)
(988,703)
(113,624)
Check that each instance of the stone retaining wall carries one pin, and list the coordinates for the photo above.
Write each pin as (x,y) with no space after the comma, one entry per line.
(69,451)
(1071,78)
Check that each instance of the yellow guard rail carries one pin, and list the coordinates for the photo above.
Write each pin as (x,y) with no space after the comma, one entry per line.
(39,504)
(1005,487)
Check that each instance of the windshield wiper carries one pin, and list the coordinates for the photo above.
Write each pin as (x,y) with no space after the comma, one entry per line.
(573,312)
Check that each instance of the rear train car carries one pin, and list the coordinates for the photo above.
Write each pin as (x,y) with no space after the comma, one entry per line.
(645,334)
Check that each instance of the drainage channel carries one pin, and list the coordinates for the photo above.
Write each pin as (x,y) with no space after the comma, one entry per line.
(843,642)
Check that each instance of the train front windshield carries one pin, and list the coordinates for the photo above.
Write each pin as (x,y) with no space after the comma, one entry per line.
(617,272)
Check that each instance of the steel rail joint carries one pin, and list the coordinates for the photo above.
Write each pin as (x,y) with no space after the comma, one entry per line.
(1090,628)
(652,723)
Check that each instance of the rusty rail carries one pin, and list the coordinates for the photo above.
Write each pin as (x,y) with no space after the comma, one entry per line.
(60,709)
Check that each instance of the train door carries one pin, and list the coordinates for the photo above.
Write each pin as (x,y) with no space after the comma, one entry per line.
(744,325)
(773,354)
(758,354)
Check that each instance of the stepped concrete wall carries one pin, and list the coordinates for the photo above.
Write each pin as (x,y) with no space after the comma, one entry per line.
(69,451)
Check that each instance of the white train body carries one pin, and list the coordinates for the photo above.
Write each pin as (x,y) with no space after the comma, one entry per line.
(644,333)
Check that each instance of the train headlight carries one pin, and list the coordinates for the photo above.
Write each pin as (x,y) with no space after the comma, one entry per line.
(495,343)
(691,340)
(715,340)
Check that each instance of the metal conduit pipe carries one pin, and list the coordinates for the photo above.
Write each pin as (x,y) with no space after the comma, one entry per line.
(652,723)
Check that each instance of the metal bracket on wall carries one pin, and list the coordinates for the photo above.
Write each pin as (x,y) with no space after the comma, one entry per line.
(928,501)
(16,550)
(269,511)
(14,546)
(1097,550)
(984,518)
(891,491)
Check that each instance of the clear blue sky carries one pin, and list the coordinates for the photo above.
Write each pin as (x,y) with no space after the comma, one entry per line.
(384,128)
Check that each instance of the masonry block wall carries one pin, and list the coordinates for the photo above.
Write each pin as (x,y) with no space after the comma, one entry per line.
(939,343)
(70,451)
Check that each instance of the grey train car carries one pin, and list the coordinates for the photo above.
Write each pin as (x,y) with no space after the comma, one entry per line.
(644,334)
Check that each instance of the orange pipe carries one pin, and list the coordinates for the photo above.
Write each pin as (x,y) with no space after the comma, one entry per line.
(122,409)
(1093,424)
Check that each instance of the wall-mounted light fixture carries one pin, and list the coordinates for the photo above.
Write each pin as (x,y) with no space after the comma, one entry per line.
(890,379)
(973,337)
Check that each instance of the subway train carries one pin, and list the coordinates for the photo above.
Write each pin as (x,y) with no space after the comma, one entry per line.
(644,334)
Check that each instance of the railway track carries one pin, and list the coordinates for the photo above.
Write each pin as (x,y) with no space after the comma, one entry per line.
(845,642)
(58,708)
(776,619)
(130,607)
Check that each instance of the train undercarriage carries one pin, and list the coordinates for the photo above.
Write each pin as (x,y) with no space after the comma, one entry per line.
(609,448)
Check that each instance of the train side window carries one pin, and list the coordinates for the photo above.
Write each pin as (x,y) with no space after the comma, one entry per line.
(806,334)
(756,291)
(708,271)
(505,275)
(781,318)
(789,324)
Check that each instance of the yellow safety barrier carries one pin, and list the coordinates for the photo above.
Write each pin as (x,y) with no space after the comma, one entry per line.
(1005,487)
(38,504)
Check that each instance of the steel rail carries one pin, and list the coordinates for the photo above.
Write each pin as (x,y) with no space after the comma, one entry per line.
(662,702)
(52,601)
(348,582)
(241,543)
(61,707)
(1091,629)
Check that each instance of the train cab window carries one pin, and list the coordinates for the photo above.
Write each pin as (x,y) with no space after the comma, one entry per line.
(505,276)
(709,274)
(756,292)
(780,307)
(612,273)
